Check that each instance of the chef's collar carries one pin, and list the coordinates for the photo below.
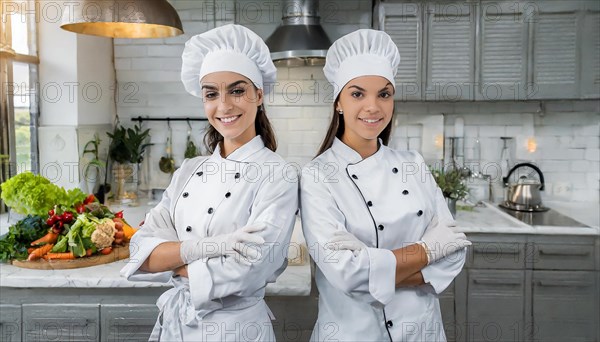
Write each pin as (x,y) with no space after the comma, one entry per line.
(351,156)
(242,152)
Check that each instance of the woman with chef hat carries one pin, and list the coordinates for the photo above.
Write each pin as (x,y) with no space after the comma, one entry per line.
(222,228)
(375,221)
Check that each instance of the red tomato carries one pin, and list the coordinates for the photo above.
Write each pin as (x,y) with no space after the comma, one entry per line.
(80,208)
(91,198)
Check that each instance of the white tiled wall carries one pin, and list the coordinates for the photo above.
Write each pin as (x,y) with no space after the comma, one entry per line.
(567,132)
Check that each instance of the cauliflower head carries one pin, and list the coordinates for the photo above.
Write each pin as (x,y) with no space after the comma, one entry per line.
(104,235)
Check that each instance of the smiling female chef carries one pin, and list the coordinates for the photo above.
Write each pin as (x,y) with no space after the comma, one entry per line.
(375,221)
(222,229)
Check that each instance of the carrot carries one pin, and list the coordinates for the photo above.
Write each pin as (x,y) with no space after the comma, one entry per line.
(106,250)
(88,252)
(49,238)
(60,256)
(30,249)
(40,252)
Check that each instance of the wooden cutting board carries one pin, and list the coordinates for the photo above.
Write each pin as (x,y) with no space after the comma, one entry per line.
(118,253)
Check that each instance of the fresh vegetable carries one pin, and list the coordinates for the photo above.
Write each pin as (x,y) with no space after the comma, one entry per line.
(104,235)
(27,193)
(60,256)
(128,232)
(106,250)
(15,243)
(89,199)
(49,238)
(40,252)
(61,245)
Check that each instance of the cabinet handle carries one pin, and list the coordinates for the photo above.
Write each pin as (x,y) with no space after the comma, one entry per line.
(497,281)
(483,250)
(563,252)
(563,283)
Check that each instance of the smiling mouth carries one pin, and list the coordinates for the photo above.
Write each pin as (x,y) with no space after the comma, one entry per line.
(229,119)
(371,121)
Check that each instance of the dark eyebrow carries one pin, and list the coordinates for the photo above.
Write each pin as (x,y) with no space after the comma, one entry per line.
(361,89)
(231,86)
(357,87)
(385,88)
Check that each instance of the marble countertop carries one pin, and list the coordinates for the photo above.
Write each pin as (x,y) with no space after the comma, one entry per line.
(490,219)
(295,280)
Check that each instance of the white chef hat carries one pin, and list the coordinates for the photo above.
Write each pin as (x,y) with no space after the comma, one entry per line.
(227,48)
(363,52)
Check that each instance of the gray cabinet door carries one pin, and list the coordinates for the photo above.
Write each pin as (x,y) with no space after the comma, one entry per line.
(127,322)
(403,22)
(450,43)
(502,50)
(565,306)
(495,305)
(61,322)
(448,312)
(590,64)
(10,323)
(556,49)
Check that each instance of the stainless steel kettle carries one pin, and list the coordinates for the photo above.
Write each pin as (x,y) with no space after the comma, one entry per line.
(525,194)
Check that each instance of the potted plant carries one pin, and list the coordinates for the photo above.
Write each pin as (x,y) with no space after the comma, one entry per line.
(127,150)
(451,182)
(92,171)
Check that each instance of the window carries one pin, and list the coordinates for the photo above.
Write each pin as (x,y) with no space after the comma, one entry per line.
(18,98)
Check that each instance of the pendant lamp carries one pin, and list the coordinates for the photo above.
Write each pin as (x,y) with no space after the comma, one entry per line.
(122,18)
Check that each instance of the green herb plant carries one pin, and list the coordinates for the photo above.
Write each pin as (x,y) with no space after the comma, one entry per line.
(92,147)
(451,183)
(127,144)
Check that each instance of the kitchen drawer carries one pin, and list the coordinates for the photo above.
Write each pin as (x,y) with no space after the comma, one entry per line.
(563,257)
(61,322)
(127,322)
(496,255)
(10,323)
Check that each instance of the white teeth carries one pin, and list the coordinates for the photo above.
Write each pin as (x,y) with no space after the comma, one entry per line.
(370,121)
(229,119)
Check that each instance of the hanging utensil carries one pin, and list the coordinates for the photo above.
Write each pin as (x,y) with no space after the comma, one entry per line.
(190,148)
(167,163)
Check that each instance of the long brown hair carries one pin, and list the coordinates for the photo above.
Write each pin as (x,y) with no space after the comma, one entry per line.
(212,137)
(337,127)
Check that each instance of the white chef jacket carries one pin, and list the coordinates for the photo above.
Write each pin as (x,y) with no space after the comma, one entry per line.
(223,299)
(386,201)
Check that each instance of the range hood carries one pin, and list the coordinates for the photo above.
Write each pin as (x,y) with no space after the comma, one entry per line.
(300,39)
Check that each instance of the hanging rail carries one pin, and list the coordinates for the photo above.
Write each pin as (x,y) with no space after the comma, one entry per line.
(140,119)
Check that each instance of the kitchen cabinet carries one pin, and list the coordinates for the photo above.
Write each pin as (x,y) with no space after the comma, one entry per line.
(404,23)
(528,288)
(487,50)
(61,322)
(450,43)
(10,323)
(556,49)
(123,322)
(436,43)
(501,52)
(590,63)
